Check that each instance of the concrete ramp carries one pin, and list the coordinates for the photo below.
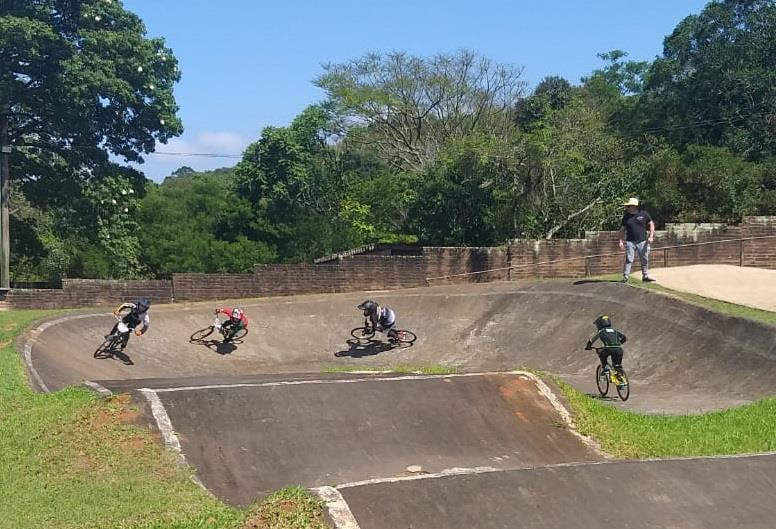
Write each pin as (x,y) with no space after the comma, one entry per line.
(713,493)
(487,327)
(252,438)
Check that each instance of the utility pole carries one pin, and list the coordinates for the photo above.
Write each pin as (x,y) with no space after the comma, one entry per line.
(5,191)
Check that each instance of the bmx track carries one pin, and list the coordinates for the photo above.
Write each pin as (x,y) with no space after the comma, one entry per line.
(493,445)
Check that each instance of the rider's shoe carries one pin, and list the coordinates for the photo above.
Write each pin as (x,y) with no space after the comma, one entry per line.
(624,280)
(648,279)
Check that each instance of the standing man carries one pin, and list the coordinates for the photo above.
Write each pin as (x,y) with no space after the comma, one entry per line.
(634,237)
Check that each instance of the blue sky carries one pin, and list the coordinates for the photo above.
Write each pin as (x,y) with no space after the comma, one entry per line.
(249,63)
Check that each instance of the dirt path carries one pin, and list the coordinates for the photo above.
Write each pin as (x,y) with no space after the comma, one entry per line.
(753,287)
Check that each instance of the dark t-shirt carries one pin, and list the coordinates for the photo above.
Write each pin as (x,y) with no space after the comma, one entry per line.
(636,225)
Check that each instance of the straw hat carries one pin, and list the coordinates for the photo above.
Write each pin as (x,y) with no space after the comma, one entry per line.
(633,201)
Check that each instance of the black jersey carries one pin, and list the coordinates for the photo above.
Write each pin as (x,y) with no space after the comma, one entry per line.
(610,337)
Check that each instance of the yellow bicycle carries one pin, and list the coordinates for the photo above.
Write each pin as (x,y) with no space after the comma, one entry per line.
(604,376)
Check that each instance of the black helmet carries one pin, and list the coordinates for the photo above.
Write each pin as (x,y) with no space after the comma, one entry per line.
(603,321)
(368,307)
(142,305)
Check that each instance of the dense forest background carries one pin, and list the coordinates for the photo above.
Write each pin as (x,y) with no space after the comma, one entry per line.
(452,149)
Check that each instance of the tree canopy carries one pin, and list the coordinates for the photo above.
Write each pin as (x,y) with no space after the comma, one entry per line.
(82,87)
(451,149)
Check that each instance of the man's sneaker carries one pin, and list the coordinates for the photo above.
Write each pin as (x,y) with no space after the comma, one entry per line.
(648,279)
(624,280)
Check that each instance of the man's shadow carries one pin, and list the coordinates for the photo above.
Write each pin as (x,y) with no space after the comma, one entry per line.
(361,348)
(587,281)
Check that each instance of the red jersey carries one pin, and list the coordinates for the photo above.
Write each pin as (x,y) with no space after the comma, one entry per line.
(227,311)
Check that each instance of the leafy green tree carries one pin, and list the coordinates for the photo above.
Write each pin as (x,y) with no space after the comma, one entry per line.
(704,184)
(552,93)
(408,107)
(716,83)
(79,83)
(454,205)
(577,170)
(298,180)
(182,171)
(198,223)
(93,55)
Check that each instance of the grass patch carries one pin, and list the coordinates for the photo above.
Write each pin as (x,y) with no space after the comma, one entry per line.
(73,460)
(406,369)
(289,508)
(624,434)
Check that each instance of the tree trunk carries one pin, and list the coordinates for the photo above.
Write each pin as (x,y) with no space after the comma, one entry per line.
(5,189)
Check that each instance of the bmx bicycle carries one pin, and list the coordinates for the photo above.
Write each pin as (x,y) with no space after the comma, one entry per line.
(230,334)
(402,337)
(604,376)
(111,343)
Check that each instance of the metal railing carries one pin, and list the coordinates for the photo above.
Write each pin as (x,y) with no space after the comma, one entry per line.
(588,258)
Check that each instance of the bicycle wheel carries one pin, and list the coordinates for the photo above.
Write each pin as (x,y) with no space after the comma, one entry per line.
(405,338)
(623,389)
(202,334)
(361,334)
(240,334)
(105,350)
(601,380)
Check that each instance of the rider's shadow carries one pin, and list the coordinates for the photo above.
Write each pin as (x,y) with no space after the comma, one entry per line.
(361,348)
(217,346)
(121,356)
(598,396)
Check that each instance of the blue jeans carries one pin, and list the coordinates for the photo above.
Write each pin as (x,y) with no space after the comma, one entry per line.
(631,248)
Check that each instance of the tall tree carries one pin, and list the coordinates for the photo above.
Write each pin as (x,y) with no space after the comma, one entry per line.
(81,81)
(716,83)
(197,223)
(80,86)
(409,107)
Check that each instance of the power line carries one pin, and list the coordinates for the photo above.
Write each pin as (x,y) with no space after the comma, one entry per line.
(196,154)
(709,122)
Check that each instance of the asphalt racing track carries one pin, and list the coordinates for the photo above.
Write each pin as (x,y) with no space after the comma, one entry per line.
(489,447)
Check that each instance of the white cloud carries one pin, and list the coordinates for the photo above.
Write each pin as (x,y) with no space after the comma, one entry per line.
(158,165)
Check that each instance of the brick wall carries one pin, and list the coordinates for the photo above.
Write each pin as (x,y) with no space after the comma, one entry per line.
(90,292)
(376,271)
(200,287)
(451,261)
(607,258)
(360,272)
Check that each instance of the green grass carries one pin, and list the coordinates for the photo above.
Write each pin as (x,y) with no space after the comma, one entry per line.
(624,434)
(73,460)
(289,508)
(397,368)
(723,307)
